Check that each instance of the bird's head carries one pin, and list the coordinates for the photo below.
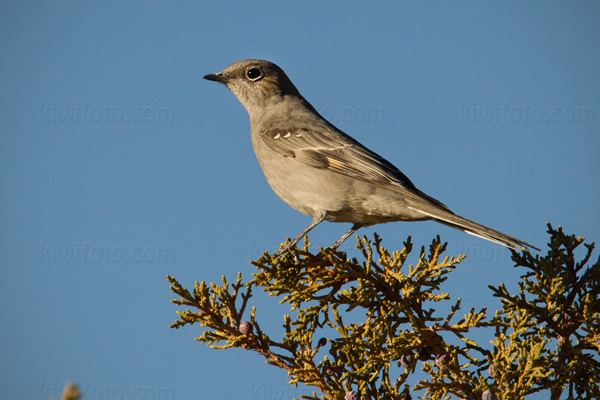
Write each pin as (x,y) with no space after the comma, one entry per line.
(256,83)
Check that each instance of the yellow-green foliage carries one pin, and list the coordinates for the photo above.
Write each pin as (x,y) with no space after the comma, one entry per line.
(71,392)
(546,336)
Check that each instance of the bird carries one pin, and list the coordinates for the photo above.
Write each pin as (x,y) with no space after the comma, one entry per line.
(324,173)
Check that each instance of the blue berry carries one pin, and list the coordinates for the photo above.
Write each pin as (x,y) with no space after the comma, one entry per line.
(246,327)
(408,360)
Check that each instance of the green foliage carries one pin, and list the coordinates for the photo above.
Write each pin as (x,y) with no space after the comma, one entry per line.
(548,335)
(384,313)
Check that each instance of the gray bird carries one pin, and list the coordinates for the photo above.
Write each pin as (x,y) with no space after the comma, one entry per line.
(324,173)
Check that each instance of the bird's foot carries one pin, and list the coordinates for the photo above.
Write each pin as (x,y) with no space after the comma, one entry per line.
(291,248)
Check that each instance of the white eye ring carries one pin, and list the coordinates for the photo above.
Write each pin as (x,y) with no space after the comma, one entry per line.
(254,74)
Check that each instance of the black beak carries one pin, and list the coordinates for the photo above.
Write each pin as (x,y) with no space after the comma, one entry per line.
(216,77)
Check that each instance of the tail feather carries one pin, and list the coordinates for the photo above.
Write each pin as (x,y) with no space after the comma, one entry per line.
(446,217)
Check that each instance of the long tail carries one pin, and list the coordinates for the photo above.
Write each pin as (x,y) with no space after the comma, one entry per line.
(446,217)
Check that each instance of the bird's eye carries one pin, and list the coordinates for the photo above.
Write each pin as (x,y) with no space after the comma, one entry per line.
(254,74)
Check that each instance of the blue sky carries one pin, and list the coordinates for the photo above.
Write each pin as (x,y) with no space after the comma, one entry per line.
(119,164)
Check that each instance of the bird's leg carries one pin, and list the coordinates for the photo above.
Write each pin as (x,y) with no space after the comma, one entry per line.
(346,235)
(317,219)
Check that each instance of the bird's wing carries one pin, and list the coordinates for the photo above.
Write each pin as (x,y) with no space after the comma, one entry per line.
(336,152)
(340,153)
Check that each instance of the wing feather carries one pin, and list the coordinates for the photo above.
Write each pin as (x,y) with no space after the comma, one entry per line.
(336,152)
